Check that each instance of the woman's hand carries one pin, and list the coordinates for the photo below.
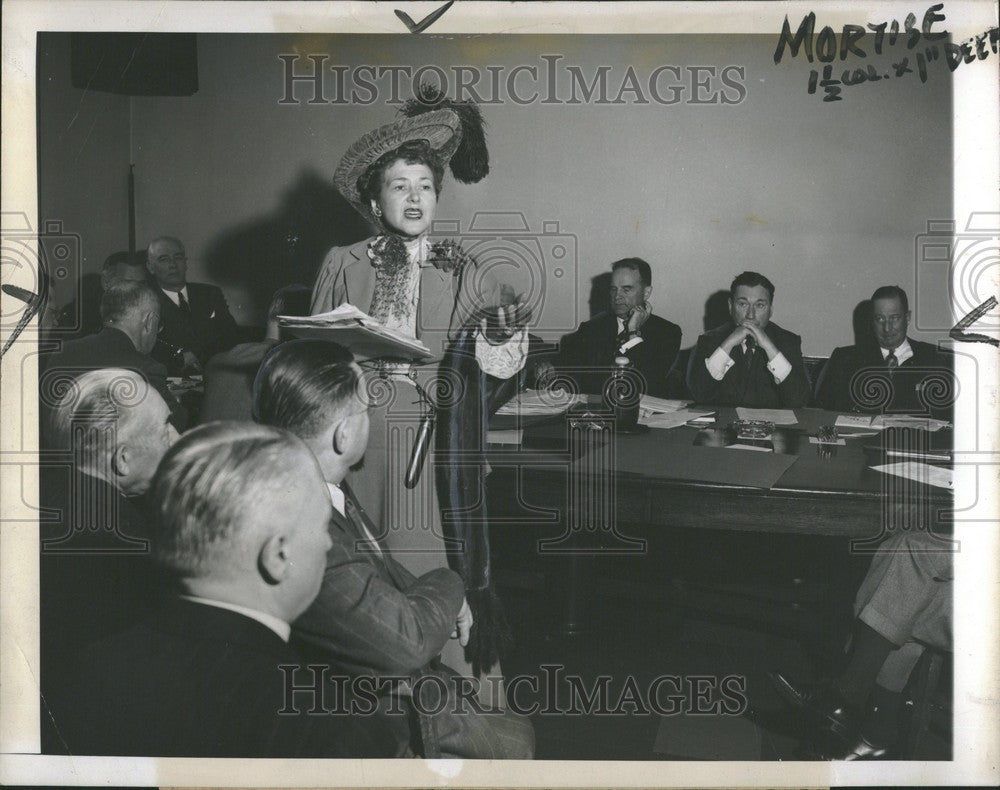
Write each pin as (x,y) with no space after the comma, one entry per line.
(463,624)
(501,323)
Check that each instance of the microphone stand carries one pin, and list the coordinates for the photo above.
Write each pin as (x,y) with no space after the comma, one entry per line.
(34,303)
(425,431)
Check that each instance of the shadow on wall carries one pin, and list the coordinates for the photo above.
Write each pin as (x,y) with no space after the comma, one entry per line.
(716,311)
(862,322)
(716,314)
(600,294)
(288,246)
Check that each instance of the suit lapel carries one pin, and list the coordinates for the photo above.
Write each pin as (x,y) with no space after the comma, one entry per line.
(167,304)
(357,516)
(359,282)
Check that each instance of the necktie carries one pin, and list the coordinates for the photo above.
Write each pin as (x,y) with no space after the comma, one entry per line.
(891,362)
(182,302)
(751,347)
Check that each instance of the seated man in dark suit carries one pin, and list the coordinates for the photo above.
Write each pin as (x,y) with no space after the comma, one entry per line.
(239,524)
(651,343)
(95,573)
(82,316)
(195,319)
(890,372)
(749,361)
(131,313)
(372,616)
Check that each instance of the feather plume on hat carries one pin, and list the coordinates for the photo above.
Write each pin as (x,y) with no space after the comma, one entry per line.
(471,161)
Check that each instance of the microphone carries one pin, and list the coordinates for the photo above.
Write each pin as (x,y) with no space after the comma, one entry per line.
(419,452)
(28,297)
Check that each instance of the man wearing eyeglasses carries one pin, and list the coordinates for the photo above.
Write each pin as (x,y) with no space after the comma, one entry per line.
(889,372)
(195,322)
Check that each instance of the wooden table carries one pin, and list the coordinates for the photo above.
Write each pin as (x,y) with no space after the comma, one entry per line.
(570,494)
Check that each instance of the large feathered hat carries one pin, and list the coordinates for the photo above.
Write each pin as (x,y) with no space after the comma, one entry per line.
(454,130)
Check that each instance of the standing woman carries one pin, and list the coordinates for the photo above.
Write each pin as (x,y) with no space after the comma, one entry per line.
(393,177)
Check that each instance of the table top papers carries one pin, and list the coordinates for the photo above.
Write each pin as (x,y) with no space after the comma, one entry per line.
(671,419)
(880,422)
(661,405)
(922,473)
(534,403)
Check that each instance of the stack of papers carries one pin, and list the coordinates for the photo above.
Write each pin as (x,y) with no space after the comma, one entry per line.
(356,330)
(660,405)
(671,419)
(777,416)
(539,403)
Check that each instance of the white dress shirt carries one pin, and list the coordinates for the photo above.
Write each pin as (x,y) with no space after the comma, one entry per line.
(634,341)
(720,362)
(340,505)
(903,352)
(173,297)
(276,624)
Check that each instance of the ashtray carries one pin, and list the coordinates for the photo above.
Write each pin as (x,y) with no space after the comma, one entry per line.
(753,429)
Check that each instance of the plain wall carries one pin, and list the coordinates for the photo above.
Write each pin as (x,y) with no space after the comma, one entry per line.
(826,199)
(83,158)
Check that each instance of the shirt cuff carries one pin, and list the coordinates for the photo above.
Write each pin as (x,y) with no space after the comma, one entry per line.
(629,344)
(780,368)
(718,364)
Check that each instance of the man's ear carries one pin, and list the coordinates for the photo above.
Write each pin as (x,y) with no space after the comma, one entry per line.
(120,460)
(273,560)
(647,292)
(342,435)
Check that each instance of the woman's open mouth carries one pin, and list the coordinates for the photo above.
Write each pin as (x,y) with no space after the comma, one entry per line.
(413,213)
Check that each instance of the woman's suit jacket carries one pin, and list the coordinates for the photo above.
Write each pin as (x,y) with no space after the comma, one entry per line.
(447,299)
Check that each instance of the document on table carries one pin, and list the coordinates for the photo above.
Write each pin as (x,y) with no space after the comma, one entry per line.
(539,402)
(777,416)
(661,405)
(854,421)
(922,473)
(671,419)
(908,421)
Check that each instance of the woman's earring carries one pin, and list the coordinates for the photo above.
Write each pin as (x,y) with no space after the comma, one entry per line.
(377,211)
